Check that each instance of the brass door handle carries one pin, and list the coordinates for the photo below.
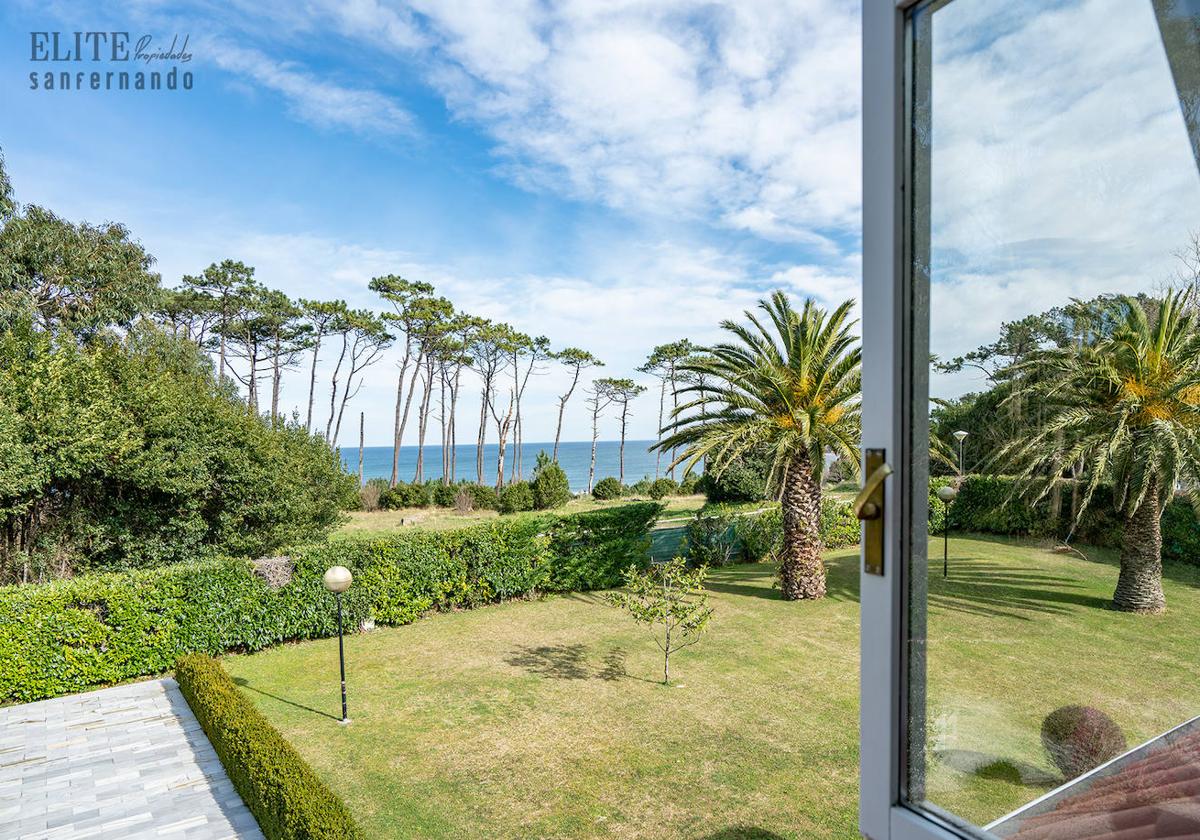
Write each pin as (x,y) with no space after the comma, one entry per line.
(865,505)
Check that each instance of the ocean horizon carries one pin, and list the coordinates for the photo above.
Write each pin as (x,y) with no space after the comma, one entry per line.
(573,457)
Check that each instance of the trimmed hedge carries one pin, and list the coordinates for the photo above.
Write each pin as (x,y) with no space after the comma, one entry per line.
(69,635)
(287,798)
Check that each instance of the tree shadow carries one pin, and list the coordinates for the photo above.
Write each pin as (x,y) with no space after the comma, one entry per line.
(745,579)
(742,832)
(570,662)
(561,662)
(242,683)
(993,589)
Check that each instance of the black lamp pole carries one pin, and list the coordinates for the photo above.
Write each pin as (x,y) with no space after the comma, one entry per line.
(341,655)
(946,543)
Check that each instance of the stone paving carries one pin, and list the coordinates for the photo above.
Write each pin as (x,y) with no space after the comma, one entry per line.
(123,762)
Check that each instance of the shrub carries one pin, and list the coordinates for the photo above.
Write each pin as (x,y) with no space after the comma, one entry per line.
(128,452)
(287,798)
(711,538)
(516,497)
(368,497)
(839,526)
(73,634)
(444,494)
(607,488)
(641,487)
(743,480)
(663,487)
(760,534)
(551,489)
(690,485)
(464,502)
(592,550)
(406,495)
(1080,738)
(484,495)
(1181,532)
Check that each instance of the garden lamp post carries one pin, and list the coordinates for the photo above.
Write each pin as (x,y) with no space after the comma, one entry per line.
(947,495)
(337,580)
(960,436)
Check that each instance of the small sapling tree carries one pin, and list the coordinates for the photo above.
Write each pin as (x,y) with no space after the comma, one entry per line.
(672,600)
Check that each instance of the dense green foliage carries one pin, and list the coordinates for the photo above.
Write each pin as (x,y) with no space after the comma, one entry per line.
(516,497)
(550,486)
(608,488)
(744,479)
(90,630)
(128,452)
(663,487)
(288,799)
(717,536)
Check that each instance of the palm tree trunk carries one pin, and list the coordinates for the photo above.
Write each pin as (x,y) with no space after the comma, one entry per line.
(801,571)
(1139,586)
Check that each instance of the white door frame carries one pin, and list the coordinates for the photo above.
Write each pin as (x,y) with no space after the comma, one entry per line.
(887,350)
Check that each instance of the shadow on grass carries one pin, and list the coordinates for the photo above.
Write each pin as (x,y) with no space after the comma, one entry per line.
(570,662)
(984,588)
(755,580)
(741,832)
(242,683)
(995,768)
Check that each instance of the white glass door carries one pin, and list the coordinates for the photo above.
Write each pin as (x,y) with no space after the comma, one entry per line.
(1031,584)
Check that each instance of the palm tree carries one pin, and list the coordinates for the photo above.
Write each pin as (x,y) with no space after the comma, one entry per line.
(1126,404)
(789,387)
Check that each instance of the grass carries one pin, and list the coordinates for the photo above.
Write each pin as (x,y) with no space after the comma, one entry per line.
(545,719)
(383,522)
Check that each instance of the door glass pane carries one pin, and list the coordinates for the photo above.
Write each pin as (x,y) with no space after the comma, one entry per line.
(1054,252)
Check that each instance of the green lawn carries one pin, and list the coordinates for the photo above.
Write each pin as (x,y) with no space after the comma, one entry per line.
(544,718)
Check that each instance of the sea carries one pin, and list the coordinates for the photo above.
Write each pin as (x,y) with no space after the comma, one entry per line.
(573,456)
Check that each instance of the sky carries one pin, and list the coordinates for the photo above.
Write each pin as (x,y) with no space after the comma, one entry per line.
(610,175)
(613,175)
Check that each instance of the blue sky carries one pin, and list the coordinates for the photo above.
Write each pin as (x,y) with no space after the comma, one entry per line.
(613,175)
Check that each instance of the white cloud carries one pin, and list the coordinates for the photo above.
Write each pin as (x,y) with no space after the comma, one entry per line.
(744,114)
(1061,164)
(312,99)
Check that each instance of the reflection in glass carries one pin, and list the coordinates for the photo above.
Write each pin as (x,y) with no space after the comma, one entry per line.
(1054,236)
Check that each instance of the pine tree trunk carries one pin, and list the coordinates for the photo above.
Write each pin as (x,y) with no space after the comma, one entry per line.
(312,382)
(662,402)
(362,439)
(1139,586)
(801,572)
(396,433)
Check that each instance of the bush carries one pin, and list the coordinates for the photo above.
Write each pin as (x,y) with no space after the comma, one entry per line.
(711,539)
(484,495)
(368,497)
(1181,532)
(287,798)
(839,526)
(70,635)
(516,497)
(760,534)
(592,550)
(607,488)
(407,495)
(551,489)
(641,487)
(690,485)
(743,480)
(663,487)
(1080,738)
(128,453)
(444,494)
(464,502)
